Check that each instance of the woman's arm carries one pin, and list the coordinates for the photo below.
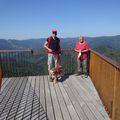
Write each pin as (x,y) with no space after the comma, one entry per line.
(77,50)
(83,51)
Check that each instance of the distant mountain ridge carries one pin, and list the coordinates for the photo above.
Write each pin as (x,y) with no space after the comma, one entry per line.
(21,44)
(111,41)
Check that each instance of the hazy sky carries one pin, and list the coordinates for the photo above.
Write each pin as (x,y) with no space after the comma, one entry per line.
(22,19)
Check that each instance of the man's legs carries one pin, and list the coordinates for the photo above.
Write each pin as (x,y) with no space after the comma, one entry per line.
(56,61)
(50,65)
(50,61)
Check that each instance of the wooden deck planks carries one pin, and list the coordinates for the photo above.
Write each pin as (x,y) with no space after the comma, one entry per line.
(57,109)
(90,101)
(22,104)
(9,100)
(68,102)
(62,104)
(5,82)
(49,102)
(75,101)
(36,98)
(43,114)
(6,88)
(17,100)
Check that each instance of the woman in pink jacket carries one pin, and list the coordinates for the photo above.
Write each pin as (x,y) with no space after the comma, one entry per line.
(82,56)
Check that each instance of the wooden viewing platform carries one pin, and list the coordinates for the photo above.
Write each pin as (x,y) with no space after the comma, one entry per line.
(35,98)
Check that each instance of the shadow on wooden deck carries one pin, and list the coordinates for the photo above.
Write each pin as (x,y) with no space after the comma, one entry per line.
(35,98)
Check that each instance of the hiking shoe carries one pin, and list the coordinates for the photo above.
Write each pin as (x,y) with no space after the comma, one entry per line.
(78,73)
(84,76)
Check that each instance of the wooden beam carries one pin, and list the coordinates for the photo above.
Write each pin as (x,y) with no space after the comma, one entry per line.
(7,51)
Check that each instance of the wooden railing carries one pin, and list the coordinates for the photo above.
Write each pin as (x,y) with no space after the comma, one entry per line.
(105,75)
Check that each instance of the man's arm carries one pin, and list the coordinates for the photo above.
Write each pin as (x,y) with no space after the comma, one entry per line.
(46,46)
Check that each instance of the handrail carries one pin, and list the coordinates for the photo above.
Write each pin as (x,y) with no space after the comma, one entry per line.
(108,60)
(8,51)
(67,49)
(29,50)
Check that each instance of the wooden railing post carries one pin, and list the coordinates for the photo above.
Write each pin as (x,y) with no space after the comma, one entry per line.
(116,99)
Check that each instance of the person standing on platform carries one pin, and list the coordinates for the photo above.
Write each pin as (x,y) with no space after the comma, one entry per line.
(52,44)
(82,57)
